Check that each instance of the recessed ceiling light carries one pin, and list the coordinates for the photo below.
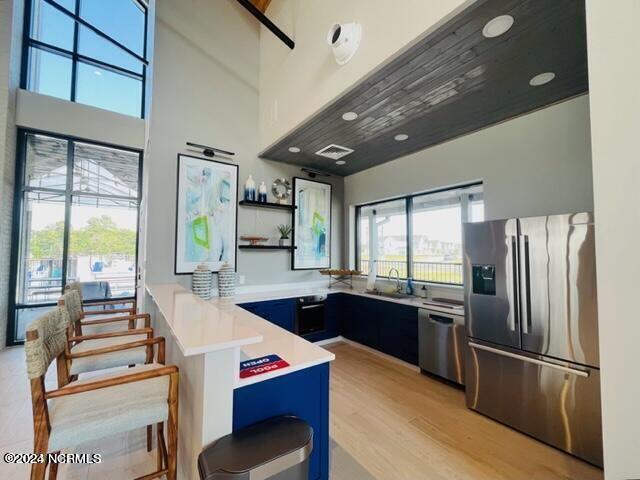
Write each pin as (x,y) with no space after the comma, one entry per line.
(401,137)
(294,149)
(497,26)
(348,116)
(341,162)
(541,79)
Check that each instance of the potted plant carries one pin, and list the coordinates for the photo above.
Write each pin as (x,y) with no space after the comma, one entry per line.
(284,230)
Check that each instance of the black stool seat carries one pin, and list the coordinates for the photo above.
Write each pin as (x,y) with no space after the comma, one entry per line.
(277,448)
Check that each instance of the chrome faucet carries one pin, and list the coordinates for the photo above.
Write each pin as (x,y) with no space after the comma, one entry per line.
(398,286)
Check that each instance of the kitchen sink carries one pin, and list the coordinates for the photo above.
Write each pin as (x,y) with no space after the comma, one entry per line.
(399,295)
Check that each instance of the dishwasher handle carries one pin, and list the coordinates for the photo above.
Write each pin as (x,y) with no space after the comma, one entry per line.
(441,319)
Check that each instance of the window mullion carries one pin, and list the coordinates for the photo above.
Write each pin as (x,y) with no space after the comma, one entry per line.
(78,19)
(409,213)
(67,212)
(74,61)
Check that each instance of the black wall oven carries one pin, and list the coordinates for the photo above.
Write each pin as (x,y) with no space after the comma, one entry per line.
(310,314)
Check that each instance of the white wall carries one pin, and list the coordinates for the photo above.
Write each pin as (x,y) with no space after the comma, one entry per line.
(613,42)
(296,83)
(536,164)
(50,114)
(205,90)
(10,47)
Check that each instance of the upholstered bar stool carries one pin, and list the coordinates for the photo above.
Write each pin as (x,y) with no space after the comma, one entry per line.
(89,353)
(97,308)
(83,325)
(101,406)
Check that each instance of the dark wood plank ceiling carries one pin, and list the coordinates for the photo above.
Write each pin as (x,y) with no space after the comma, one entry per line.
(452,82)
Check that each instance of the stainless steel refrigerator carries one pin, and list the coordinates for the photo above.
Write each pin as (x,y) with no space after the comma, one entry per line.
(531,321)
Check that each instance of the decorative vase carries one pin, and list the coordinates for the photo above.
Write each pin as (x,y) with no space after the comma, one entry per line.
(250,189)
(226,281)
(262,193)
(201,281)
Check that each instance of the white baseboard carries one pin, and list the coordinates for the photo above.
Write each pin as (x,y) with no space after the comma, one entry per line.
(329,341)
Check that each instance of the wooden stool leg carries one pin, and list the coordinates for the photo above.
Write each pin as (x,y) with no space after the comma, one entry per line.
(149,434)
(172,428)
(161,446)
(41,428)
(53,470)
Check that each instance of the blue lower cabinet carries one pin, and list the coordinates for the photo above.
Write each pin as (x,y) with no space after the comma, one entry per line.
(389,327)
(399,332)
(280,312)
(304,394)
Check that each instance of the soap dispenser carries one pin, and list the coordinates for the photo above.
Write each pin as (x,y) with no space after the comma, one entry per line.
(409,288)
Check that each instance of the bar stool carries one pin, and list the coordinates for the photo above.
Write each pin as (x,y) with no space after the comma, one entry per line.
(108,307)
(100,351)
(88,353)
(92,409)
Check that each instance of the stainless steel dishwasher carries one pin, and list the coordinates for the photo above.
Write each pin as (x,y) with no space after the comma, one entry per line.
(441,344)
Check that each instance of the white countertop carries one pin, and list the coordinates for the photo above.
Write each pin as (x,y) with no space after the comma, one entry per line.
(197,325)
(200,326)
(264,296)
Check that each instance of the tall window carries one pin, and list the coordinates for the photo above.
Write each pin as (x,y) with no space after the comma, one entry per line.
(77,213)
(87,51)
(420,236)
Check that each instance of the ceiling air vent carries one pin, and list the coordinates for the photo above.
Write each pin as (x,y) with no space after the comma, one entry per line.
(334,151)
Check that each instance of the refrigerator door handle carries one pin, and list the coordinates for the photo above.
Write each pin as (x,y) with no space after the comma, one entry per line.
(513,300)
(525,306)
(573,371)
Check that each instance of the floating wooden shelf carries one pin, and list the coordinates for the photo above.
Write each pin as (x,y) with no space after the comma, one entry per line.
(275,206)
(266,247)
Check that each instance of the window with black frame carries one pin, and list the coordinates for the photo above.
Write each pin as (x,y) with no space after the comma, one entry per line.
(87,51)
(76,219)
(417,236)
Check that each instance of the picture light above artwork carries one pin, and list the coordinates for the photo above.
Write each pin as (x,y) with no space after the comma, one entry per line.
(208,151)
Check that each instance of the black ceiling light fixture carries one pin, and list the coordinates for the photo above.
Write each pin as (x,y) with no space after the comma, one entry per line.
(262,18)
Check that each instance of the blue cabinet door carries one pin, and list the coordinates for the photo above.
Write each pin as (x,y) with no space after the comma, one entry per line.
(367,320)
(347,325)
(399,332)
(280,312)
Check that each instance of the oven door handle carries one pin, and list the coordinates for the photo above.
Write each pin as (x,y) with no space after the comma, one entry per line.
(307,307)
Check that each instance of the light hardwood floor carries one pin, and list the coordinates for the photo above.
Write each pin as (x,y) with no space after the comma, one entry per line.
(399,424)
(386,419)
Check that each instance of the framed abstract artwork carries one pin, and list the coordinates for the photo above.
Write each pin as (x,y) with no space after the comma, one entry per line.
(311,225)
(206,214)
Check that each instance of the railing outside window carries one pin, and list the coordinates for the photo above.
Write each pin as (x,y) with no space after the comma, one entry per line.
(420,235)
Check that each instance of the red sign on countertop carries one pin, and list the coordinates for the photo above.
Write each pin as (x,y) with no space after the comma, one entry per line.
(258,366)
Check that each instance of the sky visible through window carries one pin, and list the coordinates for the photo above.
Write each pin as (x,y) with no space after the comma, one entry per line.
(50,73)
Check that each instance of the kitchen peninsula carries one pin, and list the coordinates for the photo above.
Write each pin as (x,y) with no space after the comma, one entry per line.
(207,340)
